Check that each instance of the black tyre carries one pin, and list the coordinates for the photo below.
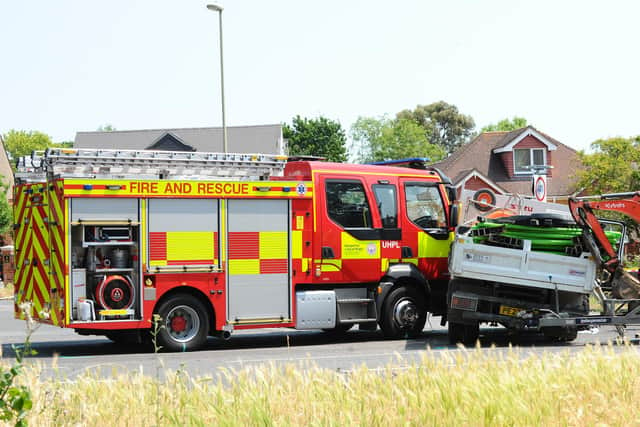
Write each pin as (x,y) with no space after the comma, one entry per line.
(461,333)
(185,324)
(560,334)
(404,313)
(126,338)
(340,329)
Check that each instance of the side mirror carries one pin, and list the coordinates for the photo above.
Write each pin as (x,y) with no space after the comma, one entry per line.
(454,213)
(452,193)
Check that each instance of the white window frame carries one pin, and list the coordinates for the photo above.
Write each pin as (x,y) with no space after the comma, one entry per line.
(531,151)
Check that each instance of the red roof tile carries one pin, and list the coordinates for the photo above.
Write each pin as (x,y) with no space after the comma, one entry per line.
(478,154)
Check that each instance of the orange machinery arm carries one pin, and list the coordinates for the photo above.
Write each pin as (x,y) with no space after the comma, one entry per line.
(582,212)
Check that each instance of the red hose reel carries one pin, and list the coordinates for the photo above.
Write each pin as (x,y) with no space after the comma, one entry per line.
(115,292)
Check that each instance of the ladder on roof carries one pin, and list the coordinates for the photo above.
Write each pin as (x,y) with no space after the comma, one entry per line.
(144,164)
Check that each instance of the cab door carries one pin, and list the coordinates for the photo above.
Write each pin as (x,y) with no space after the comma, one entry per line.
(350,241)
(426,235)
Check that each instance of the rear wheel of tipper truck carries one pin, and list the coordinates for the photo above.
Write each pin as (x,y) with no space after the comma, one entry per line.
(560,334)
(466,334)
(404,313)
(185,324)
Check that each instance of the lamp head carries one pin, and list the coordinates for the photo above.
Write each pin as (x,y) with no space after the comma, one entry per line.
(215,7)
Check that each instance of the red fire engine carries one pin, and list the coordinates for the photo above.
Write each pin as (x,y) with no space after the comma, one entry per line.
(214,243)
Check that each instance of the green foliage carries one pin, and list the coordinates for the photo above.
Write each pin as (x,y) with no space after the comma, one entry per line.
(506,125)
(6,215)
(613,167)
(366,133)
(443,123)
(316,137)
(20,143)
(15,401)
(386,139)
(157,325)
(106,128)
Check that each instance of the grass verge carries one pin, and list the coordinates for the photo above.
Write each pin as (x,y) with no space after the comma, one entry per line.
(6,291)
(597,386)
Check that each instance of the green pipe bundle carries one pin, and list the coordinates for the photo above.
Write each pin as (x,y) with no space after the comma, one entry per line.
(558,240)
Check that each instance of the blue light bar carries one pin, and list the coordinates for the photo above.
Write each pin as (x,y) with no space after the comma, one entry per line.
(402,161)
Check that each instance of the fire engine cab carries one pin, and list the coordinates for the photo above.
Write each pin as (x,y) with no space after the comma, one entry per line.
(213,243)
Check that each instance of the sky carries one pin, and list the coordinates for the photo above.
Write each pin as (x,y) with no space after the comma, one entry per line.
(571,68)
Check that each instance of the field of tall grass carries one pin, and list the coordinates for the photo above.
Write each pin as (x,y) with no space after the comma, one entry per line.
(597,386)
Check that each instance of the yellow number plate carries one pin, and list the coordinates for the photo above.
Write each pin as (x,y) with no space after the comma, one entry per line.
(509,311)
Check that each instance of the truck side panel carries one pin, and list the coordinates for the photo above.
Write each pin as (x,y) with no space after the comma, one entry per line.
(58,264)
(40,251)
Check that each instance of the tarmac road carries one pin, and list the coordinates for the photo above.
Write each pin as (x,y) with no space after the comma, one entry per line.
(75,355)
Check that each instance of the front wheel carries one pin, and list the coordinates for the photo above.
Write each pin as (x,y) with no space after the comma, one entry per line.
(185,324)
(404,313)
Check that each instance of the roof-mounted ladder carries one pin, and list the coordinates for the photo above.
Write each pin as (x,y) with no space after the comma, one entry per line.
(144,164)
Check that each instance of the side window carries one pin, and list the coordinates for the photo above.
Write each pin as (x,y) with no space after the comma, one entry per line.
(347,204)
(424,205)
(387,205)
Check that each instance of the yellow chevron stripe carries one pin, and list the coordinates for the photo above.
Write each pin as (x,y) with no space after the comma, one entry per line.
(57,257)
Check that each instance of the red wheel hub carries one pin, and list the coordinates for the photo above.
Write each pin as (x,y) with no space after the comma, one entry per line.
(117,295)
(178,323)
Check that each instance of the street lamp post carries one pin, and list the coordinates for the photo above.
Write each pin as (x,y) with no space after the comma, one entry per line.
(219,9)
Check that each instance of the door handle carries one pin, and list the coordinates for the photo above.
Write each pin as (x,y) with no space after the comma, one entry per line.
(327,252)
(406,252)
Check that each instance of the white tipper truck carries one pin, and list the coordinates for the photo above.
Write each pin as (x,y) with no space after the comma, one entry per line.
(523,289)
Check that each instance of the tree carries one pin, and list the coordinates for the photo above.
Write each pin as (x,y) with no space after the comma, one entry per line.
(20,143)
(6,215)
(106,128)
(385,139)
(316,137)
(506,125)
(613,167)
(444,124)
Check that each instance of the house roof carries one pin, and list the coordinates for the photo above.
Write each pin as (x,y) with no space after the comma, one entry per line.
(479,155)
(474,173)
(520,134)
(241,139)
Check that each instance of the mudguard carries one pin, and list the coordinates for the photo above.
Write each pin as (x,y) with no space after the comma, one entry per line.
(395,274)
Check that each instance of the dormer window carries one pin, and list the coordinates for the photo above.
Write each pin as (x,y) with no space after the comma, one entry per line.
(525,158)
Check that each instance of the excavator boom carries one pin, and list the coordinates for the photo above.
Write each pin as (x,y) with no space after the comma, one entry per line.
(623,284)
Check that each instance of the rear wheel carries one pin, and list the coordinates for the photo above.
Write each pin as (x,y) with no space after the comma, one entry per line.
(560,334)
(339,329)
(404,313)
(126,338)
(466,334)
(185,323)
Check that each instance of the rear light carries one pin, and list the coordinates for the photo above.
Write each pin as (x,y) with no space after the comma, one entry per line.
(464,303)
